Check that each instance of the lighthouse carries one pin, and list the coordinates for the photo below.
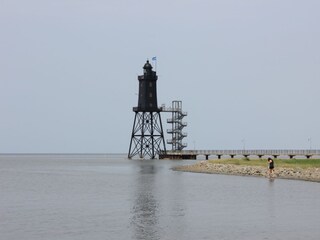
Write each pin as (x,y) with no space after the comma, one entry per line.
(147,139)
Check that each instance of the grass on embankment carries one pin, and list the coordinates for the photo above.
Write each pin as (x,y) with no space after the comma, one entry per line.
(286,163)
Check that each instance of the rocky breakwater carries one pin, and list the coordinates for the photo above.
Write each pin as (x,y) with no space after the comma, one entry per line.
(308,174)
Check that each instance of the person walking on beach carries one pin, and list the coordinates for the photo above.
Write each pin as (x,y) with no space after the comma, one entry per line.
(270,166)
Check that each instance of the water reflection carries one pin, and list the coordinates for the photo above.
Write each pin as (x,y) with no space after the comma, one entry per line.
(271,180)
(145,209)
(271,205)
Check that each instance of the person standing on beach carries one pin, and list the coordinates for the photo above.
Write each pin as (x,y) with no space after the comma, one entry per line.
(270,166)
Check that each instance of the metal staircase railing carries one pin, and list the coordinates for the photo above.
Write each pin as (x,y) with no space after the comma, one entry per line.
(177,125)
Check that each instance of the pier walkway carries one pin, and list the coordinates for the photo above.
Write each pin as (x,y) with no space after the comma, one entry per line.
(192,154)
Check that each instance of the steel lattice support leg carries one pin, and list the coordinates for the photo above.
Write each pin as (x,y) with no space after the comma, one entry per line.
(147,138)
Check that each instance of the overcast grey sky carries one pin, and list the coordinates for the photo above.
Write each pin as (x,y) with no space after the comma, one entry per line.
(247,71)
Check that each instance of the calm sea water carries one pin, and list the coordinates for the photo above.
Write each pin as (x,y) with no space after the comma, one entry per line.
(110,197)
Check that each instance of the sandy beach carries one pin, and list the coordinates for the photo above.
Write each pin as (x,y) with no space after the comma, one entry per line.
(309,174)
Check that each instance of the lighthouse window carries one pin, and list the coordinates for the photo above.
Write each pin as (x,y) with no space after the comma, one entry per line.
(150,84)
(150,95)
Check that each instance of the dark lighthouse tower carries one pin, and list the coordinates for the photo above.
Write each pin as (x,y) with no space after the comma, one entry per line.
(147,138)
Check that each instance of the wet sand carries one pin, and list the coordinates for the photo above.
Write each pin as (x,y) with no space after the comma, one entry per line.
(309,174)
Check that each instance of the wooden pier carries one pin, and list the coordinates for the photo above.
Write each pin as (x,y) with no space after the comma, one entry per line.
(193,154)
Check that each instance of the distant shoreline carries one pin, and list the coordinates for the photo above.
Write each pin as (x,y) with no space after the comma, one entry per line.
(308,174)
